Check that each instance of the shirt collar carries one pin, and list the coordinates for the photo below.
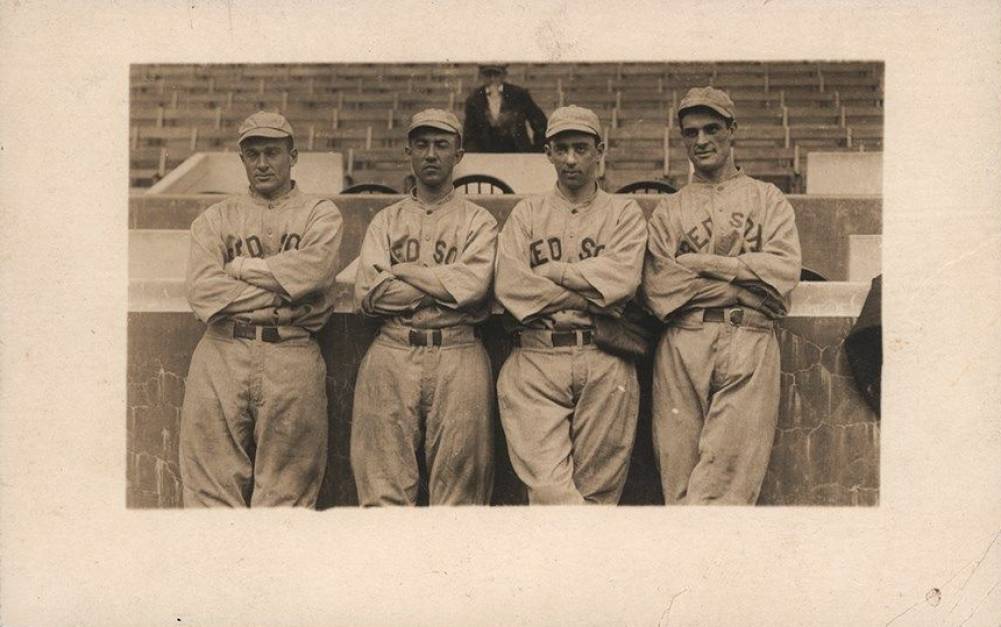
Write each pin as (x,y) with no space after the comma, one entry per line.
(581,204)
(698,179)
(290,194)
(432,206)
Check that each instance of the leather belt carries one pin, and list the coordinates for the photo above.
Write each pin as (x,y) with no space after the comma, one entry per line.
(737,316)
(425,338)
(256,332)
(556,339)
(447,336)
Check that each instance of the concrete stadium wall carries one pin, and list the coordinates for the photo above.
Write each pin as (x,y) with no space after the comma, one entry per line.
(826,448)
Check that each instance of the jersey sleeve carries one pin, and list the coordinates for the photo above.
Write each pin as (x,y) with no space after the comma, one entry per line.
(375,292)
(778,263)
(667,285)
(519,290)
(615,273)
(210,290)
(468,278)
(313,266)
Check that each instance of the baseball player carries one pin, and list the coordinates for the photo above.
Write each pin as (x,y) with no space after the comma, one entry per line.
(260,275)
(569,410)
(723,255)
(424,391)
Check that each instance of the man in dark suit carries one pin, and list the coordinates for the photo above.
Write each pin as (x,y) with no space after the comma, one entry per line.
(496,114)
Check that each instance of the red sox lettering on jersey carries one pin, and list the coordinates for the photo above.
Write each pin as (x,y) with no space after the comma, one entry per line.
(298,235)
(603,238)
(742,218)
(456,240)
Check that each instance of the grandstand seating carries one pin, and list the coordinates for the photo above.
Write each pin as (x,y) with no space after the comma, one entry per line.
(785,110)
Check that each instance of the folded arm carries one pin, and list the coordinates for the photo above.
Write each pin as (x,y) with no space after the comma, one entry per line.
(612,276)
(521,291)
(211,292)
(377,291)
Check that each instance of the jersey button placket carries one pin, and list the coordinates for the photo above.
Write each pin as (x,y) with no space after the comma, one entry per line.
(427,225)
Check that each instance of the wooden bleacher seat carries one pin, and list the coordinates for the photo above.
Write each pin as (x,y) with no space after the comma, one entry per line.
(548,71)
(637,147)
(795,82)
(852,97)
(641,73)
(413,102)
(644,97)
(823,99)
(362,118)
(338,140)
(776,165)
(818,136)
(625,117)
(745,99)
(167,137)
(395,137)
(866,137)
(760,116)
(268,100)
(215,139)
(760,135)
(201,118)
(598,98)
(727,82)
(462,78)
(813,116)
(348,100)
(861,116)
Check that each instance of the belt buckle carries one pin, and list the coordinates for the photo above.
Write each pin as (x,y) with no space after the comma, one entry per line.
(244,331)
(735,316)
(425,338)
(270,334)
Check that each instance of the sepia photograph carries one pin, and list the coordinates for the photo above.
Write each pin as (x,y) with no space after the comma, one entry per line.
(753,376)
(309,307)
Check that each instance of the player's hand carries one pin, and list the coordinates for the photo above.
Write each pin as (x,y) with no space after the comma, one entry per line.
(770,307)
(426,301)
(404,270)
(552,270)
(696,262)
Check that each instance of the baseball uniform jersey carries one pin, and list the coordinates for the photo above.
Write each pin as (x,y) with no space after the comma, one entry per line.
(716,371)
(254,419)
(568,410)
(423,396)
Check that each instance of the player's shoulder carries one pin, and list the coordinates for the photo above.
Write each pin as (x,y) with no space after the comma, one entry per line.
(767,190)
(475,211)
(667,203)
(391,212)
(321,204)
(531,204)
(219,211)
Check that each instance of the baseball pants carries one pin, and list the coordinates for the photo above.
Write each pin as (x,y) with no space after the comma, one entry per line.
(715,409)
(254,422)
(569,415)
(429,402)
